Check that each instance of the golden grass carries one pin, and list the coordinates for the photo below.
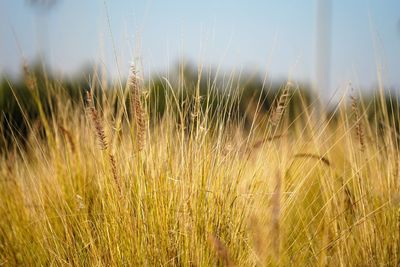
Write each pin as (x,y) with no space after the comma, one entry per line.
(195,197)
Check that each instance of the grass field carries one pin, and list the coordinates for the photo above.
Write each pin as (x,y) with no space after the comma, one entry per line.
(104,183)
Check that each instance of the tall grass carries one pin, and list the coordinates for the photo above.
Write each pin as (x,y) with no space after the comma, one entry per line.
(100,185)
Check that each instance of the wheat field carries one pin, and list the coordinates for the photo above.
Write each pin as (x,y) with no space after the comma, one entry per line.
(102,182)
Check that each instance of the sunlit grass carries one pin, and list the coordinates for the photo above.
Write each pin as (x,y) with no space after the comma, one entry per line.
(203,187)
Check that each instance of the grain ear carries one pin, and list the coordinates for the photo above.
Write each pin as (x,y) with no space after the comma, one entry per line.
(101,135)
(99,129)
(358,123)
(280,106)
(137,109)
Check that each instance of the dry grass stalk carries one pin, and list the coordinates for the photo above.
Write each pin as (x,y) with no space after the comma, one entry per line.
(358,126)
(102,138)
(220,249)
(137,109)
(281,105)
(313,156)
(68,137)
(29,78)
(114,171)
(97,122)
(275,217)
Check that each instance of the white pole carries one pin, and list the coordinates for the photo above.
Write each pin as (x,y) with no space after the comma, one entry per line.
(323,50)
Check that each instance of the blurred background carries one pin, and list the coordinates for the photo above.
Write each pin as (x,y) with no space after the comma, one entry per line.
(321,42)
(58,49)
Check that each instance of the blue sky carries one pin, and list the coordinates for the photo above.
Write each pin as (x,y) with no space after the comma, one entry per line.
(277,37)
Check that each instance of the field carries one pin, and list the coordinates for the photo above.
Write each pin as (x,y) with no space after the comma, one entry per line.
(107,179)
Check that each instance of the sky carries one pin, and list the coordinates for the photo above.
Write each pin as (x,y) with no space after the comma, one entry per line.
(273,37)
